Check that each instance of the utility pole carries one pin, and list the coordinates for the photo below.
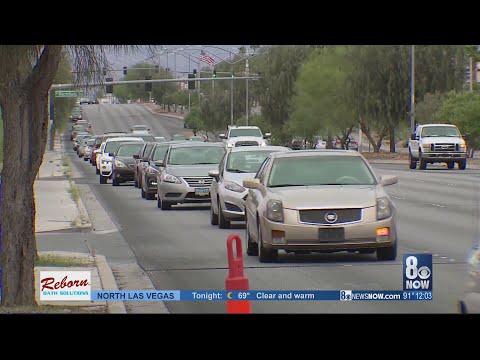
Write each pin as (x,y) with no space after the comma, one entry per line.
(199,72)
(412,91)
(246,90)
(471,73)
(231,99)
(188,101)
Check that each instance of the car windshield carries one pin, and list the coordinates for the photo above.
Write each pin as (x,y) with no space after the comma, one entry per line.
(320,170)
(78,127)
(129,149)
(140,127)
(159,152)
(196,138)
(112,146)
(436,131)
(91,142)
(179,137)
(159,139)
(245,132)
(246,161)
(196,155)
(145,137)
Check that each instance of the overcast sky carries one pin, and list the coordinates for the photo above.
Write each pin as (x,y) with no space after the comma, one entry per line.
(178,60)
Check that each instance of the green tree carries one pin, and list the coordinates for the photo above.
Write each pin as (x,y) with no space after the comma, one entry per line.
(427,110)
(319,105)
(63,106)
(26,75)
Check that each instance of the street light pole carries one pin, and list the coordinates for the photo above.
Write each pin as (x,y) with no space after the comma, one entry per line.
(246,90)
(471,73)
(231,99)
(412,91)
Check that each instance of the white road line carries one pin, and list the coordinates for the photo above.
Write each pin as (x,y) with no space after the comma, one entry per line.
(443,257)
(437,205)
(435,255)
(451,260)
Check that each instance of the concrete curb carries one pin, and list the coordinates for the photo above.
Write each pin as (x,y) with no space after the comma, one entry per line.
(86,223)
(109,283)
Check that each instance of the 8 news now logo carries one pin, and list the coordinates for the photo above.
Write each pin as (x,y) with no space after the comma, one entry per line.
(417,272)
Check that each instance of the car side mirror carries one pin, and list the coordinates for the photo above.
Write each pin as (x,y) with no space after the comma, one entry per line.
(214,173)
(159,163)
(148,129)
(387,180)
(413,137)
(251,183)
(136,156)
(113,154)
(222,136)
(267,136)
(466,137)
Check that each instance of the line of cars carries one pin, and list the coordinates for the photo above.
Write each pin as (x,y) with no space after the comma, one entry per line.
(295,201)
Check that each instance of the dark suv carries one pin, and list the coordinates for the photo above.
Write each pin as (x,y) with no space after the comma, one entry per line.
(140,158)
(149,172)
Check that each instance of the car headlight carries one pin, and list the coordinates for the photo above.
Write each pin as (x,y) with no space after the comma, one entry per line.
(152,171)
(170,179)
(383,208)
(230,145)
(275,210)
(426,147)
(229,185)
(263,143)
(106,162)
(119,164)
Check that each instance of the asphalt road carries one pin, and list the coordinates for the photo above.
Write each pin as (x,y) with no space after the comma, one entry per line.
(179,249)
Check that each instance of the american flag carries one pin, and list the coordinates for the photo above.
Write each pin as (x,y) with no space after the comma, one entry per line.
(207,58)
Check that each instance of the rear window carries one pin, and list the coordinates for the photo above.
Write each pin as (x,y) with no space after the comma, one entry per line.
(145,137)
(129,149)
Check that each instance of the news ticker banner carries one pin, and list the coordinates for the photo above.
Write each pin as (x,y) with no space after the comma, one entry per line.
(76,286)
(260,295)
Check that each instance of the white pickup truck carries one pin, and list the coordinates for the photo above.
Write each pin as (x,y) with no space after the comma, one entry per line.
(434,143)
(244,136)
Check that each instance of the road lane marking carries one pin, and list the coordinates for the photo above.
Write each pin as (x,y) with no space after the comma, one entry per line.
(437,205)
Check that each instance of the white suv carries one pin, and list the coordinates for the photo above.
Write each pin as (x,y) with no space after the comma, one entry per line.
(104,160)
(244,136)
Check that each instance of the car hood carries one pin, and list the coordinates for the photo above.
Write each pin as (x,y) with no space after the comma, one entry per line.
(328,196)
(237,178)
(246,138)
(126,159)
(190,170)
(442,139)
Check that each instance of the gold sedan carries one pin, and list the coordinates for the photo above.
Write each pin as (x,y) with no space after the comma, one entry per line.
(319,201)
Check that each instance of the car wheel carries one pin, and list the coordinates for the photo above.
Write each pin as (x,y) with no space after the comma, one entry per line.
(115,182)
(103,179)
(265,255)
(213,216)
(143,193)
(150,196)
(165,205)
(97,171)
(252,247)
(450,165)
(85,159)
(413,162)
(462,164)
(423,163)
(222,222)
(387,253)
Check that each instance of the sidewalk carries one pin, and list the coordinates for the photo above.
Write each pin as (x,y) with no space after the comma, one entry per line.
(60,211)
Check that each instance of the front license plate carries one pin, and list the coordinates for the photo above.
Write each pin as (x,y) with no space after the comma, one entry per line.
(202,191)
(333,234)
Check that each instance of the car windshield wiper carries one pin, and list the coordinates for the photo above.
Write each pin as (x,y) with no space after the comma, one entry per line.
(238,171)
(286,185)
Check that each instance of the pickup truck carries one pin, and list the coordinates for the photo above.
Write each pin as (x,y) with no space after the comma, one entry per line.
(437,143)
(244,136)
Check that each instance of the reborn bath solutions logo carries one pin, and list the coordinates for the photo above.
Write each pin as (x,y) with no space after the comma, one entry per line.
(65,286)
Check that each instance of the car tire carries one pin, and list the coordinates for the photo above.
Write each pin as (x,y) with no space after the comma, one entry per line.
(143,193)
(103,179)
(213,216)
(222,222)
(265,255)
(413,162)
(97,171)
(135,183)
(387,253)
(252,247)
(85,159)
(423,163)
(462,164)
(450,165)
(150,196)
(165,205)
(115,182)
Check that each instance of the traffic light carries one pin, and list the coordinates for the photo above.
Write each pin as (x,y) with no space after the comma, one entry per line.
(157,69)
(191,84)
(124,70)
(104,71)
(195,73)
(214,73)
(148,86)
(109,88)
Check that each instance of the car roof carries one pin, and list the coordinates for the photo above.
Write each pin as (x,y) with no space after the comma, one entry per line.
(197,144)
(317,152)
(257,148)
(124,138)
(133,142)
(428,125)
(242,127)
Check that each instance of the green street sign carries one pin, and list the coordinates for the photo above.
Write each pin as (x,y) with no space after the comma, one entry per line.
(59,93)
